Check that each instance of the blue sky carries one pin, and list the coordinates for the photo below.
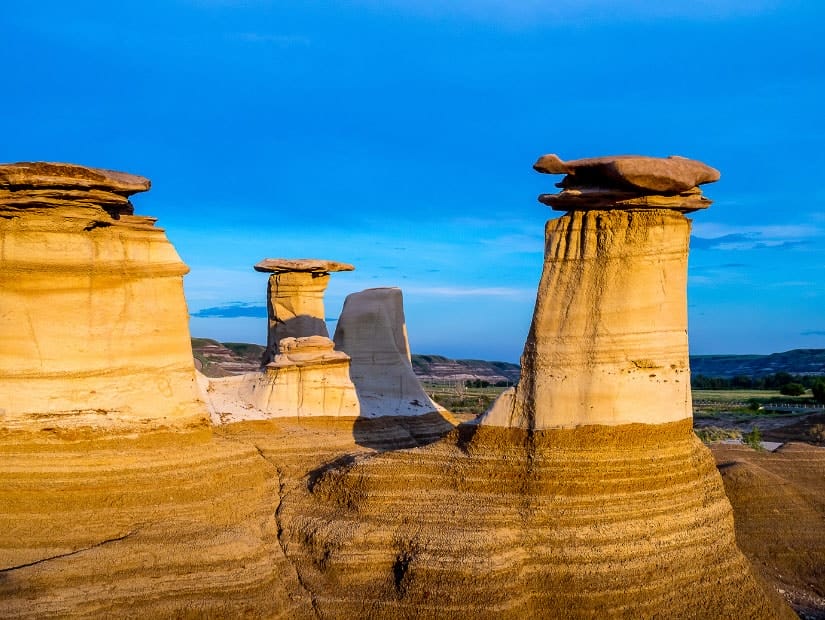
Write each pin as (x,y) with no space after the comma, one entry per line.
(399,135)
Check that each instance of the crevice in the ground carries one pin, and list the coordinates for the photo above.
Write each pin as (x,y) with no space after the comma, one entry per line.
(68,554)
(280,537)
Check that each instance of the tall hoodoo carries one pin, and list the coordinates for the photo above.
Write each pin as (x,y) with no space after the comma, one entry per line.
(608,343)
(295,298)
(93,322)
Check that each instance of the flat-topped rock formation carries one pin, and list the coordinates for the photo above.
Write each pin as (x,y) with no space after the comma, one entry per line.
(295,298)
(94,326)
(628,181)
(372,330)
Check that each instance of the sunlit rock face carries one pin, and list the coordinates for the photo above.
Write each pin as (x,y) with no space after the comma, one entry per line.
(93,322)
(373,332)
(307,378)
(608,343)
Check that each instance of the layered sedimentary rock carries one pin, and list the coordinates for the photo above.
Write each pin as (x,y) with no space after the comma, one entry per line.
(628,181)
(93,322)
(584,492)
(295,298)
(608,342)
(372,330)
(306,378)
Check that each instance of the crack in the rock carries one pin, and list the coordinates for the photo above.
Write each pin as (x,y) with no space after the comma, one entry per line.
(277,515)
(70,553)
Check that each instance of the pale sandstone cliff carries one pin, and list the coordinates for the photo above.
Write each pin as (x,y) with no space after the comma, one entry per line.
(93,323)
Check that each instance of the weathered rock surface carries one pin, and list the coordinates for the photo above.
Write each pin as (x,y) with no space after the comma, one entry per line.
(608,343)
(628,181)
(311,265)
(93,322)
(295,298)
(372,330)
(672,174)
(307,378)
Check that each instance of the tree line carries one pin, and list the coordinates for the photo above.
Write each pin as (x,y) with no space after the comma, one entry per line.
(786,383)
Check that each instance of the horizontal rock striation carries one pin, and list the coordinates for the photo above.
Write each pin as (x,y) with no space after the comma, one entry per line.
(627,521)
(307,378)
(93,323)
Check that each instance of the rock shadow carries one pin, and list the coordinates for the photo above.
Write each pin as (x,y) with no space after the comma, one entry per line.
(399,432)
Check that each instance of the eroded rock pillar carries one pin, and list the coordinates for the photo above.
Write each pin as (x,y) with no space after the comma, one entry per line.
(608,342)
(93,323)
(295,299)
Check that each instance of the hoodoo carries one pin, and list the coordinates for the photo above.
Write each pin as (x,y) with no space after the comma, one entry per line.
(295,298)
(608,343)
(93,323)
(582,494)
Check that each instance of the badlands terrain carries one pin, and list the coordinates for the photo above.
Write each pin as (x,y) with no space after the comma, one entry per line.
(325,483)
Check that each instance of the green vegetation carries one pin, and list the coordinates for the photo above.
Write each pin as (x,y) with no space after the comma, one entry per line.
(753,439)
(458,397)
(792,389)
(773,381)
(245,350)
(818,390)
(711,434)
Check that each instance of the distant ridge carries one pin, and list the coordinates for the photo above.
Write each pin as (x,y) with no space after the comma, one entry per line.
(794,362)
(216,359)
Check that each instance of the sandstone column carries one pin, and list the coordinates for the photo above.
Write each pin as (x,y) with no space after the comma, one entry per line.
(295,298)
(93,322)
(608,343)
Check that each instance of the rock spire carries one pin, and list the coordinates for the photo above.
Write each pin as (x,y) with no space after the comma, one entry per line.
(608,343)
(295,298)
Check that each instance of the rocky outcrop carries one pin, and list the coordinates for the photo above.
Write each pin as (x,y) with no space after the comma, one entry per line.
(295,298)
(307,378)
(583,493)
(628,181)
(93,322)
(372,330)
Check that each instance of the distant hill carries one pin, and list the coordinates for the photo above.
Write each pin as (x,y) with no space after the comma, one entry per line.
(219,359)
(795,362)
(439,368)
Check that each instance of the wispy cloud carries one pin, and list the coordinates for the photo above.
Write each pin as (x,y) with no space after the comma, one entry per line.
(232,310)
(713,236)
